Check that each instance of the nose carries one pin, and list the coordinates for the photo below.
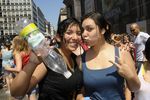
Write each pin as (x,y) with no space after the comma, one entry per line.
(84,34)
(75,36)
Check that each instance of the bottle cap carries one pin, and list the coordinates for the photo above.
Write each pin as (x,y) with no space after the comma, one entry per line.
(28,29)
(67,74)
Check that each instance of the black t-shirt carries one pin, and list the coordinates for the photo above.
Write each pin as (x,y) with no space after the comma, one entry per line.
(55,86)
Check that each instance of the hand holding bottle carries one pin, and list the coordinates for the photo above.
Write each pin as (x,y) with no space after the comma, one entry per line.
(38,43)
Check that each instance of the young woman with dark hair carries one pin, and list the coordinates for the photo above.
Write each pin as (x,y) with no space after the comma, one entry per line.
(52,85)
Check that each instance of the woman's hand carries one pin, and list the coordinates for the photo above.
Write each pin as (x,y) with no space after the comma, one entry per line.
(35,59)
(123,69)
(126,68)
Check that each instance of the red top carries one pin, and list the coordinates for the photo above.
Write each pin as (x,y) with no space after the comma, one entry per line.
(25,58)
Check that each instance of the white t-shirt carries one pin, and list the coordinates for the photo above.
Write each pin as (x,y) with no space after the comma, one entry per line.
(139,44)
(144,92)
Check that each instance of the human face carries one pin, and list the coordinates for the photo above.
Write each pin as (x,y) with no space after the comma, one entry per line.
(126,39)
(134,30)
(72,37)
(91,32)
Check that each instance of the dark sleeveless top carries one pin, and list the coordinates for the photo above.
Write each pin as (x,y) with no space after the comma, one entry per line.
(55,86)
(103,84)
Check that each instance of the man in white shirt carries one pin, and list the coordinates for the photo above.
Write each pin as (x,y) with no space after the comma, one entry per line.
(139,42)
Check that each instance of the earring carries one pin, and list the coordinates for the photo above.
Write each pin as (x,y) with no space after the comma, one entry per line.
(103,31)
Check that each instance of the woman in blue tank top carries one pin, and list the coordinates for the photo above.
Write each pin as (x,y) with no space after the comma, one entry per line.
(105,68)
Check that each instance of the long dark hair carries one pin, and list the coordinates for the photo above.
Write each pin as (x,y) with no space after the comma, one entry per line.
(102,23)
(63,26)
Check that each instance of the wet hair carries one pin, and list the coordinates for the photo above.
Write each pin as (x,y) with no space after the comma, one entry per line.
(63,26)
(147,48)
(102,23)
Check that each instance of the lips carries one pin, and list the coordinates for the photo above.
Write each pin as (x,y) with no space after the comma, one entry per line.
(85,41)
(73,44)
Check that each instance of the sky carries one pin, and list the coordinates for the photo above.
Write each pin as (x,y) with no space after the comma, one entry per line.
(50,9)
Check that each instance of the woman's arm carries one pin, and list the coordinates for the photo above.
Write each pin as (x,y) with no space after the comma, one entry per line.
(128,94)
(133,82)
(26,79)
(80,95)
(126,68)
(18,67)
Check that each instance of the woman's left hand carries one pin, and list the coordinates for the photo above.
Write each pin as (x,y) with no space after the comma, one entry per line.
(123,68)
(125,64)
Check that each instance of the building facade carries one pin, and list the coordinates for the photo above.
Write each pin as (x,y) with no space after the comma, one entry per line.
(73,8)
(62,15)
(121,13)
(13,10)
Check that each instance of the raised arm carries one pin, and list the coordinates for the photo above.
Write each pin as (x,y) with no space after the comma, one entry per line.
(31,74)
(131,76)
(126,68)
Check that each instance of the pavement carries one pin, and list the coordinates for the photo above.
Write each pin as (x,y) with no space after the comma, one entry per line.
(5,95)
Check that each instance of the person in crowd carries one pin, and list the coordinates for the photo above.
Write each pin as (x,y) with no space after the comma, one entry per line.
(126,38)
(21,52)
(144,75)
(105,67)
(52,85)
(1,72)
(126,41)
(7,59)
(116,40)
(139,43)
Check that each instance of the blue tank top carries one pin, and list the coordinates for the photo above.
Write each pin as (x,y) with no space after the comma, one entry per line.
(103,84)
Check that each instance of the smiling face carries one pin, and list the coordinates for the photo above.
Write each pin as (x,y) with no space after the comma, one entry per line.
(91,32)
(71,37)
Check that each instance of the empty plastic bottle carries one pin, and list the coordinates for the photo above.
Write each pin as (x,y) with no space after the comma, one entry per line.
(28,30)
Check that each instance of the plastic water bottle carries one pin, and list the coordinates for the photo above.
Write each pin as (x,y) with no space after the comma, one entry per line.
(28,30)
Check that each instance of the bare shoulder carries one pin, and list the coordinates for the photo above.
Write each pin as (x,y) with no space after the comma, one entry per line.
(17,55)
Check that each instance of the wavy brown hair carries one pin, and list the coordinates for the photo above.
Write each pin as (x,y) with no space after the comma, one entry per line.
(19,44)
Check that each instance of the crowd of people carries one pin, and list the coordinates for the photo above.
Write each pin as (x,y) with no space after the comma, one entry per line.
(103,65)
